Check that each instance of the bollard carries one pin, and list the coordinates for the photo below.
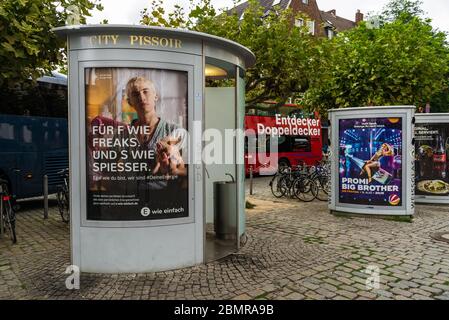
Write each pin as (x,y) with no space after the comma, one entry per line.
(45,197)
(251,180)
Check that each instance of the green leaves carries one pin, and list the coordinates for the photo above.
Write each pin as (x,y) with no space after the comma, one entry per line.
(402,62)
(8,47)
(28,48)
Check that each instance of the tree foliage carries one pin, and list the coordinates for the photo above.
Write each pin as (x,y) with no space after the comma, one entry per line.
(404,10)
(402,62)
(28,48)
(286,55)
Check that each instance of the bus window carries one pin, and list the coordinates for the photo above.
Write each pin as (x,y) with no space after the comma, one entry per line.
(8,139)
(250,143)
(282,143)
(301,144)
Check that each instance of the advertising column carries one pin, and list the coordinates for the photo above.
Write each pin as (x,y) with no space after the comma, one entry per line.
(136,144)
(432,163)
(372,161)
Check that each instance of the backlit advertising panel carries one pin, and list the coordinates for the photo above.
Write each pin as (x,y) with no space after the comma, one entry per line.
(136,144)
(432,166)
(370,161)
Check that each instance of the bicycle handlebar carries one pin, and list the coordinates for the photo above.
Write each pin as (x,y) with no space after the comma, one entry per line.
(63,171)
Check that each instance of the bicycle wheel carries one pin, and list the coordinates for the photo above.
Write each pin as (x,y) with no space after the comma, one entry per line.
(322,184)
(278,186)
(9,217)
(63,206)
(305,189)
(12,225)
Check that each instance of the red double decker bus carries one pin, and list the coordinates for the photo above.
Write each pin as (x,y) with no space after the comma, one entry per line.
(295,139)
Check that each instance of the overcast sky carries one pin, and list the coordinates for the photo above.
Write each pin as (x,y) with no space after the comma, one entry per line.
(128,12)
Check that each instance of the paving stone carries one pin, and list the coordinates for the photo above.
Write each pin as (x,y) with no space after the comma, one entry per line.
(432,290)
(346,294)
(368,295)
(295,296)
(401,292)
(443,287)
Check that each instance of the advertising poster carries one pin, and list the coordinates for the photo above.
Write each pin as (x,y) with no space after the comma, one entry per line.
(432,166)
(136,144)
(370,161)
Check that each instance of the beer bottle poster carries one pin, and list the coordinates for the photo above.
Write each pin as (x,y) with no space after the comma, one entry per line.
(136,144)
(431,152)
(370,161)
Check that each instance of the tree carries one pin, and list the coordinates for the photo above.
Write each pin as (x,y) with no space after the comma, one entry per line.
(402,62)
(405,10)
(286,55)
(28,48)
(440,102)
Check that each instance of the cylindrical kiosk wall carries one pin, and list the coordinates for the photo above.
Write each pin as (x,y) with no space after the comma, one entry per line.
(372,160)
(432,158)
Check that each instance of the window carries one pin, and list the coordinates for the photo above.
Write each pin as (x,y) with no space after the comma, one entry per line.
(305,1)
(311,27)
(283,143)
(290,144)
(301,144)
(299,23)
(330,33)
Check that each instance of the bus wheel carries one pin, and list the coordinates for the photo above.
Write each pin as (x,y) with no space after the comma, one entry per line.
(283,164)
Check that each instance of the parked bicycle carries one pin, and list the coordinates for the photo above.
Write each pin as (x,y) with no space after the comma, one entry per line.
(7,214)
(320,175)
(293,183)
(63,196)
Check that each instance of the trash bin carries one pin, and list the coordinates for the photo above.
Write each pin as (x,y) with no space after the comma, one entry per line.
(225,215)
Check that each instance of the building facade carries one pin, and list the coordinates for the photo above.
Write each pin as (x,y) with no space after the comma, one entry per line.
(321,23)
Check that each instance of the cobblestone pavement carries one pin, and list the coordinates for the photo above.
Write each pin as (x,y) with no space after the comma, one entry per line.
(294,251)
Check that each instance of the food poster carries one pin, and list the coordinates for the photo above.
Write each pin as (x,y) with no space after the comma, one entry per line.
(431,165)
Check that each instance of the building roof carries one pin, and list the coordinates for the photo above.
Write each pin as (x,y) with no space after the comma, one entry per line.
(267,4)
(328,17)
(339,23)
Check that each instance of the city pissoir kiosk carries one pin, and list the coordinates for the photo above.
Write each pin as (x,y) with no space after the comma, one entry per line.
(139,103)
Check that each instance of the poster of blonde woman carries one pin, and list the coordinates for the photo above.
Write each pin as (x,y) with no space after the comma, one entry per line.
(136,132)
(370,156)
